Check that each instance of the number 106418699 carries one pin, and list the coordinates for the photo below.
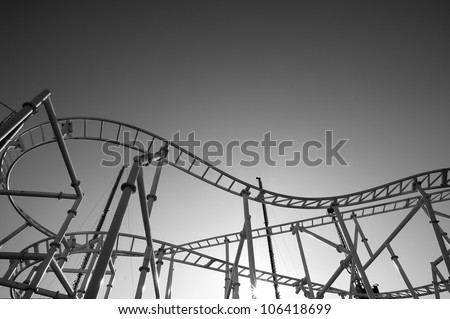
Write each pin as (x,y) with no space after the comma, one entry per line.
(295,309)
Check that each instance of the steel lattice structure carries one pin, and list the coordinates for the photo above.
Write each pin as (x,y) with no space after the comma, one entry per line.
(420,192)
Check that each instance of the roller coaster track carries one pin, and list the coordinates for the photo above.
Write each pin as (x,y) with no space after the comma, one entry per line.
(318,221)
(130,245)
(416,192)
(88,128)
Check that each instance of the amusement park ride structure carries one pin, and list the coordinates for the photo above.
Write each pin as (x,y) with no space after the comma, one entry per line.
(100,250)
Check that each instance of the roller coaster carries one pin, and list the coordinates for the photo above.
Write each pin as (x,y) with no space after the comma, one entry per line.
(52,255)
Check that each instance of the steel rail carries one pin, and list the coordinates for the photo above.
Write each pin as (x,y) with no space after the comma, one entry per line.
(82,127)
(196,259)
(383,208)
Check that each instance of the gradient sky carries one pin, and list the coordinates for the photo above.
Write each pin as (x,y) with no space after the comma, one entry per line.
(375,73)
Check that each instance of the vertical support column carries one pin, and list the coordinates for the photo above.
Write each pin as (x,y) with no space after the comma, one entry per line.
(441,277)
(227,266)
(170,277)
(149,258)
(394,258)
(295,230)
(434,222)
(62,146)
(99,272)
(351,290)
(146,209)
(437,295)
(248,233)
(353,272)
(151,197)
(354,253)
(54,246)
(363,237)
(159,262)
(110,284)
(235,283)
(234,271)
(44,97)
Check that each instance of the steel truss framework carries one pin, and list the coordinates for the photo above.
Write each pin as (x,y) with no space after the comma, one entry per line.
(412,194)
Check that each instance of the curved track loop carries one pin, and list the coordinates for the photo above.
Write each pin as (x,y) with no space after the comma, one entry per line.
(386,198)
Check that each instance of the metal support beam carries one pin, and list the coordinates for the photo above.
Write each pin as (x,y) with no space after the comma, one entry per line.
(235,284)
(62,279)
(234,271)
(227,266)
(151,197)
(351,290)
(439,259)
(445,235)
(170,277)
(11,192)
(62,146)
(305,264)
(441,277)
(363,237)
(39,291)
(354,253)
(400,269)
(44,97)
(149,258)
(31,275)
(160,255)
(82,290)
(13,263)
(353,272)
(12,126)
(99,226)
(434,222)
(437,294)
(13,234)
(99,271)
(144,270)
(343,265)
(54,246)
(248,234)
(22,256)
(110,284)
(395,232)
(441,214)
(339,248)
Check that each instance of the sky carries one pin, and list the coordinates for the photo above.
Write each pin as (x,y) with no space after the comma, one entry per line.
(375,73)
